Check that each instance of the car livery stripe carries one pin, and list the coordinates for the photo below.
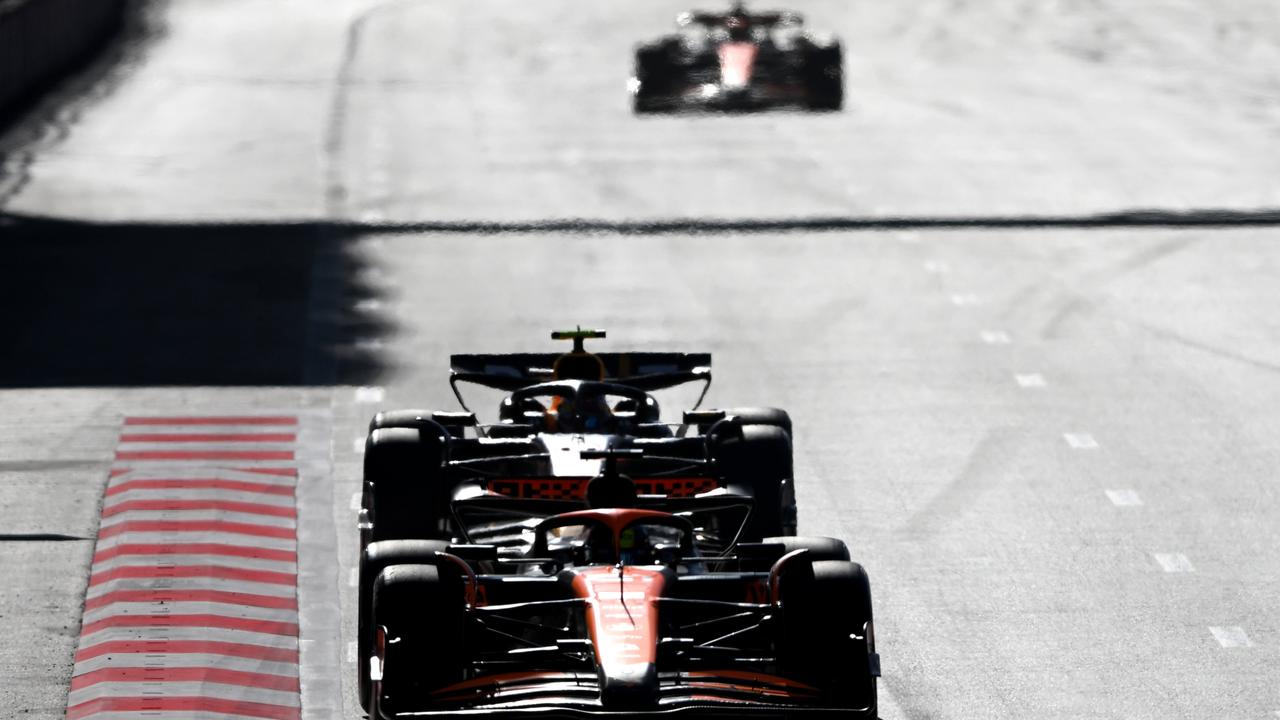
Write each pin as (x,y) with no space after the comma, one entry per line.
(192,605)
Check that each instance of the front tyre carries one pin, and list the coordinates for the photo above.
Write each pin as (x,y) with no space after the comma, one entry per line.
(826,635)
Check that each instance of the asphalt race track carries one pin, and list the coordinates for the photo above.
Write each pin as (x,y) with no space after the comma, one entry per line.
(1020,298)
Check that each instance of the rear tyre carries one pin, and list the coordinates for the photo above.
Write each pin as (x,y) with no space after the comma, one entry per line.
(425,621)
(652,78)
(760,459)
(404,492)
(376,558)
(775,417)
(825,637)
(824,75)
(820,548)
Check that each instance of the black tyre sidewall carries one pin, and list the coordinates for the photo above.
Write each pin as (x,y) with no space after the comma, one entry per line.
(426,616)
(824,604)
(759,459)
(403,490)
(376,558)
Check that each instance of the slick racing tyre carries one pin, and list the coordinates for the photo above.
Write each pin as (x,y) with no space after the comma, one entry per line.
(776,417)
(425,648)
(400,419)
(376,558)
(653,79)
(824,77)
(760,459)
(820,548)
(826,637)
(404,492)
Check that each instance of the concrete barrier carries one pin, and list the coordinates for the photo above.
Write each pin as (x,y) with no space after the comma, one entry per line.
(41,40)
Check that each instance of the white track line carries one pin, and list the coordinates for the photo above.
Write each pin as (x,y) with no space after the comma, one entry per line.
(1231,636)
(1174,562)
(1080,441)
(1124,498)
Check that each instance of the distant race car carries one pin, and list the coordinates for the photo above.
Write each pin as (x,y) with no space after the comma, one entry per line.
(445,476)
(738,60)
(615,612)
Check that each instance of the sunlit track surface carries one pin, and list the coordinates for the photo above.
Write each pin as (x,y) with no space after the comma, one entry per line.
(1052,447)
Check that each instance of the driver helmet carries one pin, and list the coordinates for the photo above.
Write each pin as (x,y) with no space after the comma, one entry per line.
(738,23)
(634,545)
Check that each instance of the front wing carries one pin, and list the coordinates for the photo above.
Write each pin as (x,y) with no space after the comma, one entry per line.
(688,694)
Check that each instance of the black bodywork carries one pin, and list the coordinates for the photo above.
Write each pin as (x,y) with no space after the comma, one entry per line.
(687,71)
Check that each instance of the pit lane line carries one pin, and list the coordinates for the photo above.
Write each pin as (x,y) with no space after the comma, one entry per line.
(1226,636)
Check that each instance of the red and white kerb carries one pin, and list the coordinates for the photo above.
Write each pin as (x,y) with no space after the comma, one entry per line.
(192,606)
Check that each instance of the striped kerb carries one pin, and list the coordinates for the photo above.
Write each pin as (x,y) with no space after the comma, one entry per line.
(192,605)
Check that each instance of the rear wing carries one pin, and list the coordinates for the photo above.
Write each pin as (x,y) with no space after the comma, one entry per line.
(717,19)
(641,370)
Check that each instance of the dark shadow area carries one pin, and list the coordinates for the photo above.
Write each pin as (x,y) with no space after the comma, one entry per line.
(85,304)
(41,537)
(55,98)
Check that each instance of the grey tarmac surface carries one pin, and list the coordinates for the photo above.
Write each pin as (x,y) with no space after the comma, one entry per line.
(1017,430)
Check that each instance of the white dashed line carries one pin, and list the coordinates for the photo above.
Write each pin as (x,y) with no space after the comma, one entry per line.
(370,394)
(353,577)
(964,299)
(357,446)
(1231,636)
(1080,441)
(368,305)
(935,267)
(355,501)
(1124,498)
(1030,380)
(1174,562)
(995,337)
(352,652)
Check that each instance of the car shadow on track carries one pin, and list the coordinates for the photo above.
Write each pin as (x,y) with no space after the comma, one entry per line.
(84,304)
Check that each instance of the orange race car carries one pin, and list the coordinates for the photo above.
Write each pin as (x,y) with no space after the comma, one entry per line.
(615,612)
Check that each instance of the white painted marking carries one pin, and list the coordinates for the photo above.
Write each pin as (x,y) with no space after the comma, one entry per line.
(1124,498)
(1080,441)
(907,236)
(995,337)
(964,299)
(355,501)
(1232,636)
(1174,562)
(369,344)
(353,577)
(352,652)
(1030,380)
(937,267)
(357,446)
(372,216)
(368,305)
(370,394)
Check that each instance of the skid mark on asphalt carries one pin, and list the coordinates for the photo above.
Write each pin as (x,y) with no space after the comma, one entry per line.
(980,474)
(192,604)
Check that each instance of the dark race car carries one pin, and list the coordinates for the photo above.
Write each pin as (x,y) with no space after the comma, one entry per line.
(615,612)
(738,60)
(563,421)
